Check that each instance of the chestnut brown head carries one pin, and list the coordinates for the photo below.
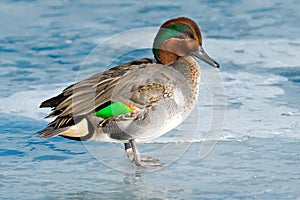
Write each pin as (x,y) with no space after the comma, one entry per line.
(179,37)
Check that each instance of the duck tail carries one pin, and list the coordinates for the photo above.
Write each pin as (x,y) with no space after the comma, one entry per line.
(81,131)
(50,132)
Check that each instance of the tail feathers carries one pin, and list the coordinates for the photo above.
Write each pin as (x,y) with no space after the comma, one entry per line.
(51,132)
(79,130)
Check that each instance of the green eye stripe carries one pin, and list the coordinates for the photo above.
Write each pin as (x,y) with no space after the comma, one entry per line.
(114,109)
(165,33)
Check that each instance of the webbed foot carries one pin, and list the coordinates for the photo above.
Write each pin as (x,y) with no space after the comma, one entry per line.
(132,153)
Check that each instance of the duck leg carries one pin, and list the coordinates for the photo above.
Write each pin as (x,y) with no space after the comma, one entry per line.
(128,151)
(133,154)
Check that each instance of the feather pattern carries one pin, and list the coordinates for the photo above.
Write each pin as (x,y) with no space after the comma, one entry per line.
(82,99)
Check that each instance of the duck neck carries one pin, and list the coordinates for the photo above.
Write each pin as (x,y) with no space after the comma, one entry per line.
(190,69)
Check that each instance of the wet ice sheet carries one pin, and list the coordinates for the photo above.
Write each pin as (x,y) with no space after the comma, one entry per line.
(256,168)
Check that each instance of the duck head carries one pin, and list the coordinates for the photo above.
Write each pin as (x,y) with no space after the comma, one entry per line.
(179,37)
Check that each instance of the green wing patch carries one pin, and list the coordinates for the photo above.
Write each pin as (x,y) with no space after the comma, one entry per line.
(113,109)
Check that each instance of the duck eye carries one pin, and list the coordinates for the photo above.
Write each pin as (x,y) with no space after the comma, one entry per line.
(181,36)
(185,35)
(189,35)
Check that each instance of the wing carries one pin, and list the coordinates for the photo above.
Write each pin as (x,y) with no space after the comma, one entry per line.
(85,96)
(121,93)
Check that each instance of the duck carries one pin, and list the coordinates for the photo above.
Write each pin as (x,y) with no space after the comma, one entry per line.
(136,101)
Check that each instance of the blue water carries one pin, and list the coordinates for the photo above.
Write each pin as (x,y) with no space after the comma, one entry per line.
(47,45)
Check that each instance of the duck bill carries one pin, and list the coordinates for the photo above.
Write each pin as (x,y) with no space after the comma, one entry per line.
(202,55)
